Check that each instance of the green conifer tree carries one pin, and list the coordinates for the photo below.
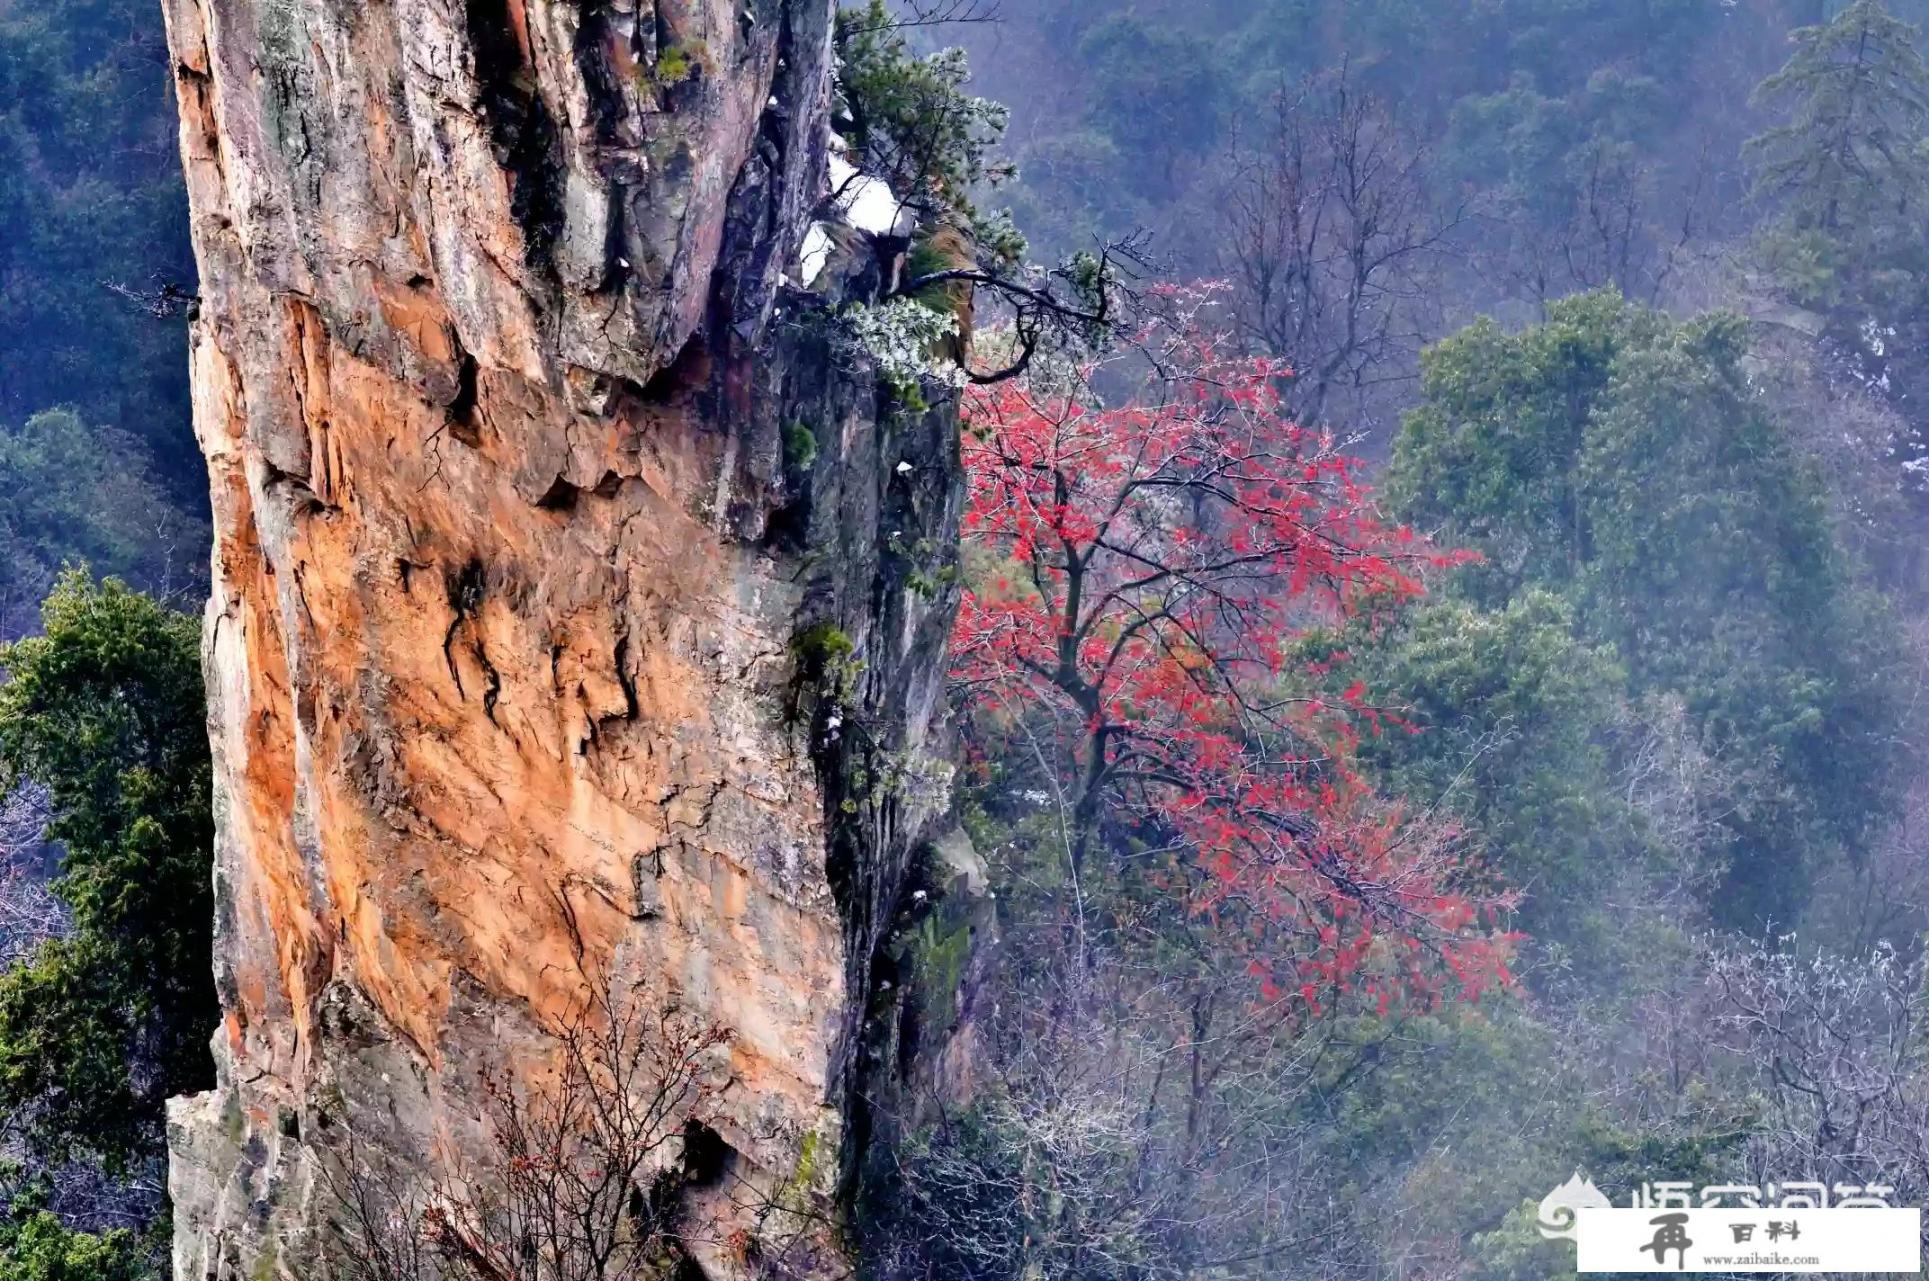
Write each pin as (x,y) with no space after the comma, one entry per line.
(1855,95)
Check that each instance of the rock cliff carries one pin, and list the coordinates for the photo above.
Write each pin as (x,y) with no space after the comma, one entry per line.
(579,595)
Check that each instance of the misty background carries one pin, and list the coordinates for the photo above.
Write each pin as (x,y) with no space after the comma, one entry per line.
(1628,296)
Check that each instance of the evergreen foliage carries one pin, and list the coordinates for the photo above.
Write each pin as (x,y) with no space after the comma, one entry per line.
(1625,460)
(1855,95)
(104,712)
(72,492)
(911,117)
(91,195)
(38,1247)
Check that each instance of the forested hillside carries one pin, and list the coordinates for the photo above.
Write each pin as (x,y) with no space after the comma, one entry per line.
(97,460)
(1619,298)
(1371,176)
(1442,627)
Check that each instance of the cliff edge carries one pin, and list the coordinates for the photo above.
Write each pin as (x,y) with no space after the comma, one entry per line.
(579,595)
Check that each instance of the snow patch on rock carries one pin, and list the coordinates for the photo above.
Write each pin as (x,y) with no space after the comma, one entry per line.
(816,253)
(867,203)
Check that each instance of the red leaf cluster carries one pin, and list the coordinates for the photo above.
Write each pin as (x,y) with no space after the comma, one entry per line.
(1142,573)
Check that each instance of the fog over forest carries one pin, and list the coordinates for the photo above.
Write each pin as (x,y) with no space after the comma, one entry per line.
(1439,698)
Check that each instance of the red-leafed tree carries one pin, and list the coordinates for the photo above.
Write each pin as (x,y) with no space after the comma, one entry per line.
(1142,573)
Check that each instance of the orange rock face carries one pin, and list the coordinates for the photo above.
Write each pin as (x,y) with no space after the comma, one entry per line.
(493,371)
